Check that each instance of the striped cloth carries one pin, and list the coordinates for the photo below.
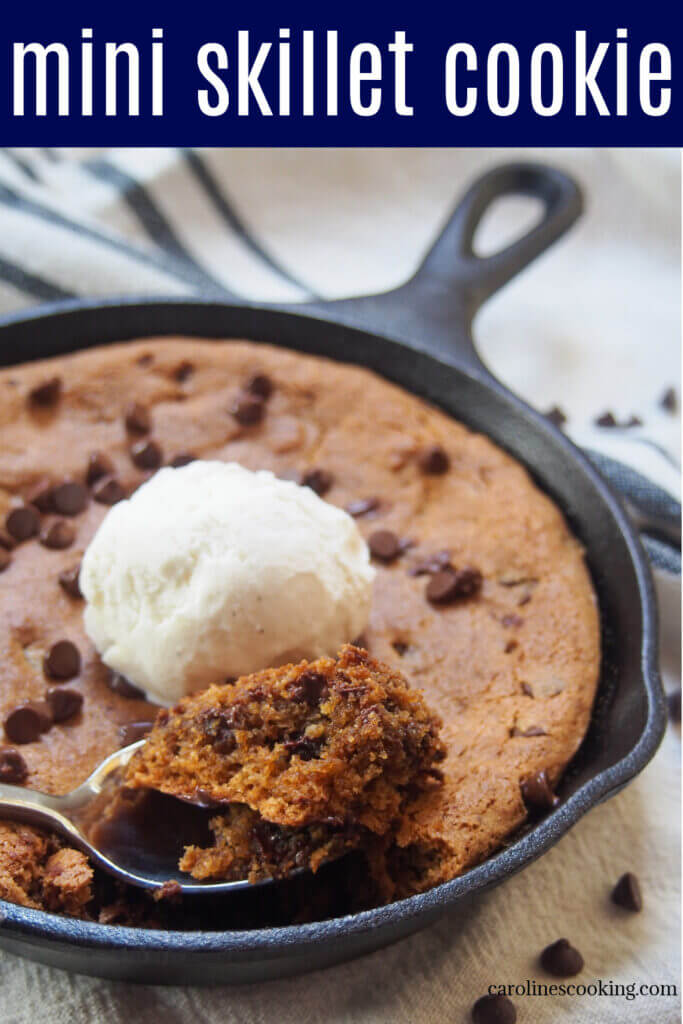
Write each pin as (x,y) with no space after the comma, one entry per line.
(592,328)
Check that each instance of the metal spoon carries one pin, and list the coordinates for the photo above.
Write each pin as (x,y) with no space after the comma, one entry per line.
(70,815)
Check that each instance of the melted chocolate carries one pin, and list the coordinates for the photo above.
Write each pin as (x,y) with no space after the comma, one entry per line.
(147,831)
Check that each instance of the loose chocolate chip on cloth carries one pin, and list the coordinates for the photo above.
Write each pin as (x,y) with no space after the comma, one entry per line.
(556,415)
(674,703)
(561,959)
(627,894)
(494,1009)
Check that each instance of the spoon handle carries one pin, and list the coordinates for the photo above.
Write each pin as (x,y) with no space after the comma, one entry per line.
(41,809)
(13,798)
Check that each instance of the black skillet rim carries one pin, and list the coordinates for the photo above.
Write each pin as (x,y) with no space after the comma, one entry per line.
(26,923)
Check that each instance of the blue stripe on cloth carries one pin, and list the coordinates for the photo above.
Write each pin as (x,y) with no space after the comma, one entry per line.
(216,194)
(656,514)
(157,226)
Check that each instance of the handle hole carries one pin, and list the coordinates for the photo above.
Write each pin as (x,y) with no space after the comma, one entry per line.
(506,220)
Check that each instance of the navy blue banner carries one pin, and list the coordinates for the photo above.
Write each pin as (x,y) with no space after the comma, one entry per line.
(320,74)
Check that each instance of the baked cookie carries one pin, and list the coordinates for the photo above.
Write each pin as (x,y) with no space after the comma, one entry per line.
(482,598)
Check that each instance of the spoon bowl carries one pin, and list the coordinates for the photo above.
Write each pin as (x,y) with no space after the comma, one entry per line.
(140,849)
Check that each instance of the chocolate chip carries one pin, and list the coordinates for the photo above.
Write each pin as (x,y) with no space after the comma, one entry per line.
(68,581)
(23,522)
(146,454)
(183,371)
(184,459)
(606,419)
(669,400)
(434,460)
(303,747)
(384,545)
(266,835)
(137,419)
(64,703)
(308,688)
(319,480)
(633,421)
(561,959)
(527,690)
(442,586)
(248,409)
(431,564)
(494,1009)
(41,496)
(47,393)
(453,584)
(627,894)
(108,491)
(556,416)
(400,647)
(123,687)
(5,559)
(99,465)
(674,702)
(62,661)
(58,535)
(225,741)
(131,732)
(362,506)
(69,498)
(537,794)
(27,721)
(260,384)
(13,768)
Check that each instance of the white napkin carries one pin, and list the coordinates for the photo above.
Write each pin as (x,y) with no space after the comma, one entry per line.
(592,327)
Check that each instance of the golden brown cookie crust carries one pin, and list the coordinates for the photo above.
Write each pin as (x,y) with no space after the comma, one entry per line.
(521,657)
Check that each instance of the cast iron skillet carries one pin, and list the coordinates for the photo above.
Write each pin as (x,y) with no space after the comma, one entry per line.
(419,336)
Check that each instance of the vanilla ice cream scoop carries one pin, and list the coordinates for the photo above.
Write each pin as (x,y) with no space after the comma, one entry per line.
(211,571)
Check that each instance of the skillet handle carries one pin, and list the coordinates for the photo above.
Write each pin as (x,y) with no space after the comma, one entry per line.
(452,257)
(434,310)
